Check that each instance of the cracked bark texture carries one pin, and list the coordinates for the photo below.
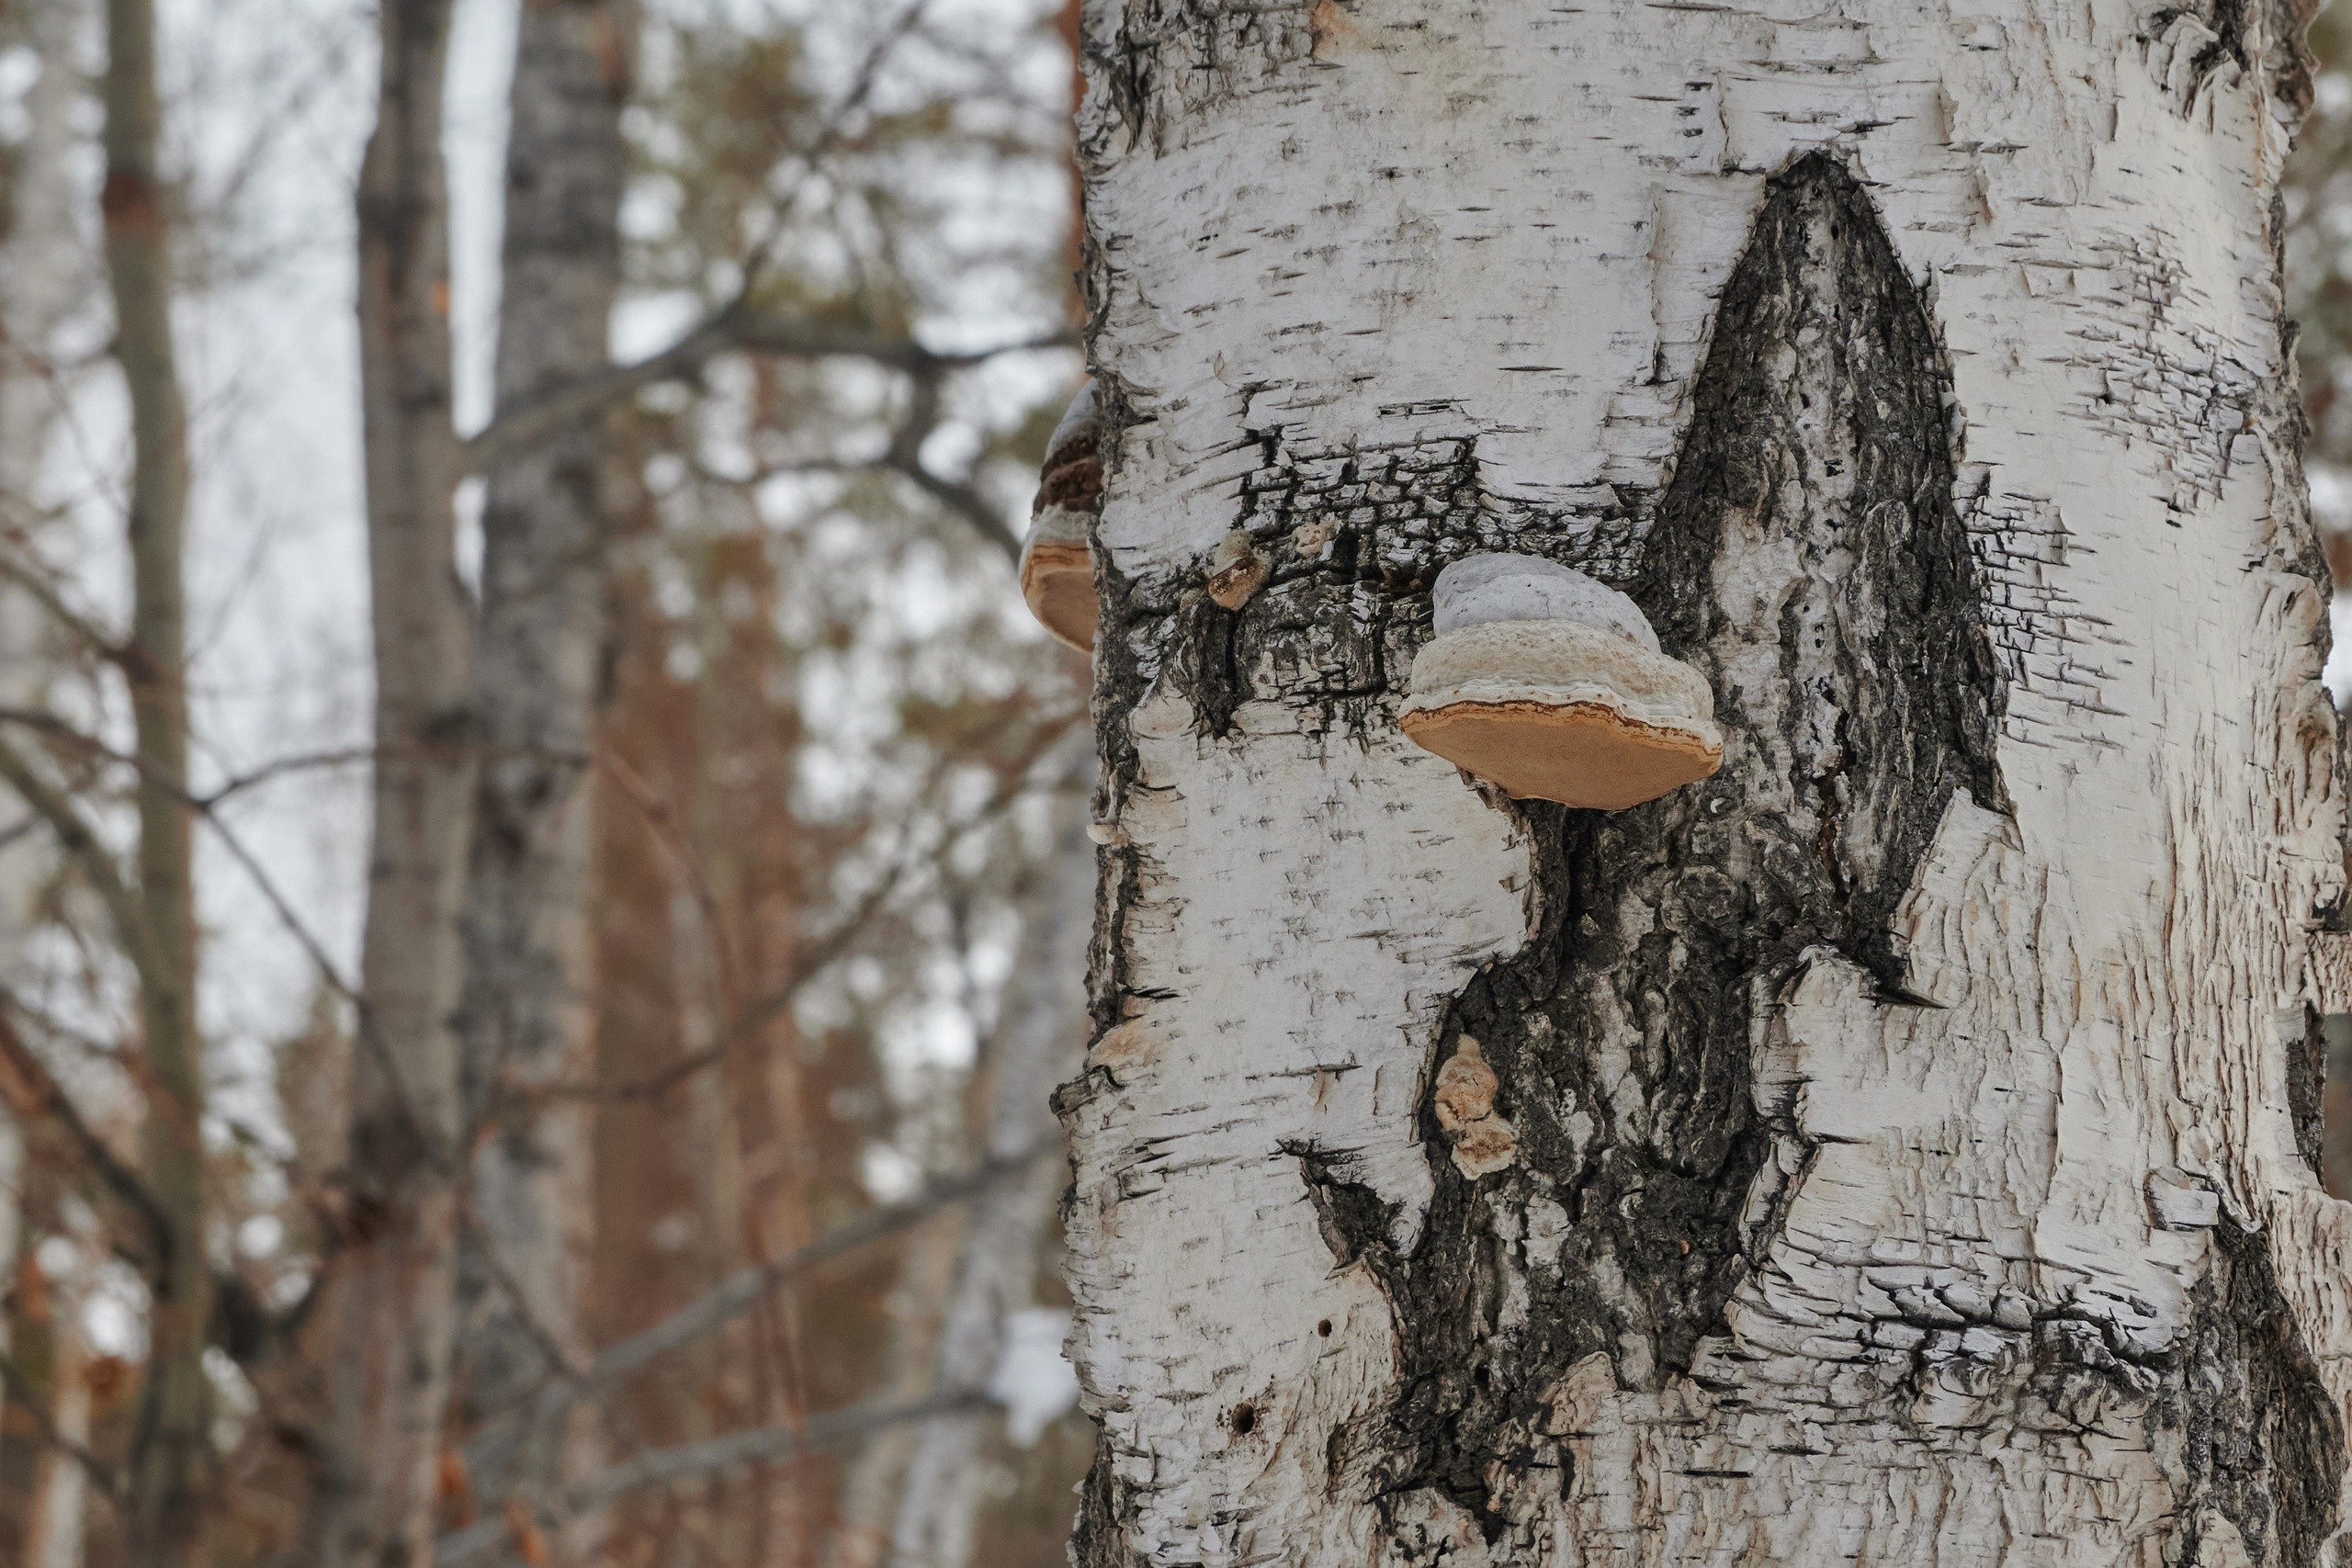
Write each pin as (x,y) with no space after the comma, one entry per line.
(1911,1159)
(538,677)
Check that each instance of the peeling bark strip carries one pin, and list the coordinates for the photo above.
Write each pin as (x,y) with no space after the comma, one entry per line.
(1885,1151)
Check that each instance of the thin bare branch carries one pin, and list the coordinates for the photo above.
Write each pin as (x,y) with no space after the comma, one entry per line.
(732,328)
(80,843)
(690,1463)
(808,964)
(279,767)
(744,1288)
(762,1445)
(830,136)
(44,594)
(104,1476)
(123,906)
(36,1099)
(925,409)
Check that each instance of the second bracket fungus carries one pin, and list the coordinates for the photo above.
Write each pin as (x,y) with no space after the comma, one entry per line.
(1056,564)
(1552,686)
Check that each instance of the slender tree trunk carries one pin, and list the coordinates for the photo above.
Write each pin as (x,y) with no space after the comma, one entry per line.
(44,277)
(43,273)
(393,1294)
(874,1480)
(53,1528)
(1037,1046)
(539,678)
(12,1232)
(1894,1149)
(171,1463)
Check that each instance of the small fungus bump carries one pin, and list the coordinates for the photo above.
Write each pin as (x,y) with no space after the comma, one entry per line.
(1552,686)
(1483,1141)
(1236,570)
(1057,560)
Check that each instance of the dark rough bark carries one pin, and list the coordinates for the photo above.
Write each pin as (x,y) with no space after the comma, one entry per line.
(1819,419)
(539,675)
(2260,1437)
(1858,691)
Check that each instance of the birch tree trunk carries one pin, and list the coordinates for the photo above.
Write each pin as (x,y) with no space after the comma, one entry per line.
(392,1302)
(1036,1046)
(54,1523)
(170,1467)
(44,277)
(43,273)
(1903,1138)
(874,1480)
(538,678)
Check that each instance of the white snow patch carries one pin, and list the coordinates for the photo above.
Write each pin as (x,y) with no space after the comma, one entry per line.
(1033,1380)
(2338,672)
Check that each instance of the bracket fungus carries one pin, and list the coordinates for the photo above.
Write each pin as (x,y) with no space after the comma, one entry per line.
(1552,686)
(1057,563)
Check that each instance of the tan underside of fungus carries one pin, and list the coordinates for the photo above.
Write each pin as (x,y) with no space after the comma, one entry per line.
(1058,581)
(1559,710)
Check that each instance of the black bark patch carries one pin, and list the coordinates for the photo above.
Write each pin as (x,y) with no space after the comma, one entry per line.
(1099,1536)
(2307,1088)
(1209,664)
(1170,59)
(2224,18)
(2261,1438)
(1809,558)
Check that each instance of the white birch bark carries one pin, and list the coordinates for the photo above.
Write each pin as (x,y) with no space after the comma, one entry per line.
(1913,1121)
(54,1528)
(524,1018)
(388,1311)
(44,276)
(1038,1046)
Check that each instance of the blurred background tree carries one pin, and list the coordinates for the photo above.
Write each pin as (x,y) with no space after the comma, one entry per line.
(2318,254)
(804,898)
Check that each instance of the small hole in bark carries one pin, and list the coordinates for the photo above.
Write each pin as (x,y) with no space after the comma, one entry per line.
(1323,1330)
(1482,1377)
(1245,1419)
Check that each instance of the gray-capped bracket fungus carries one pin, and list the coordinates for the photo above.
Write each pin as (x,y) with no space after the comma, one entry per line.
(1057,563)
(1552,686)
